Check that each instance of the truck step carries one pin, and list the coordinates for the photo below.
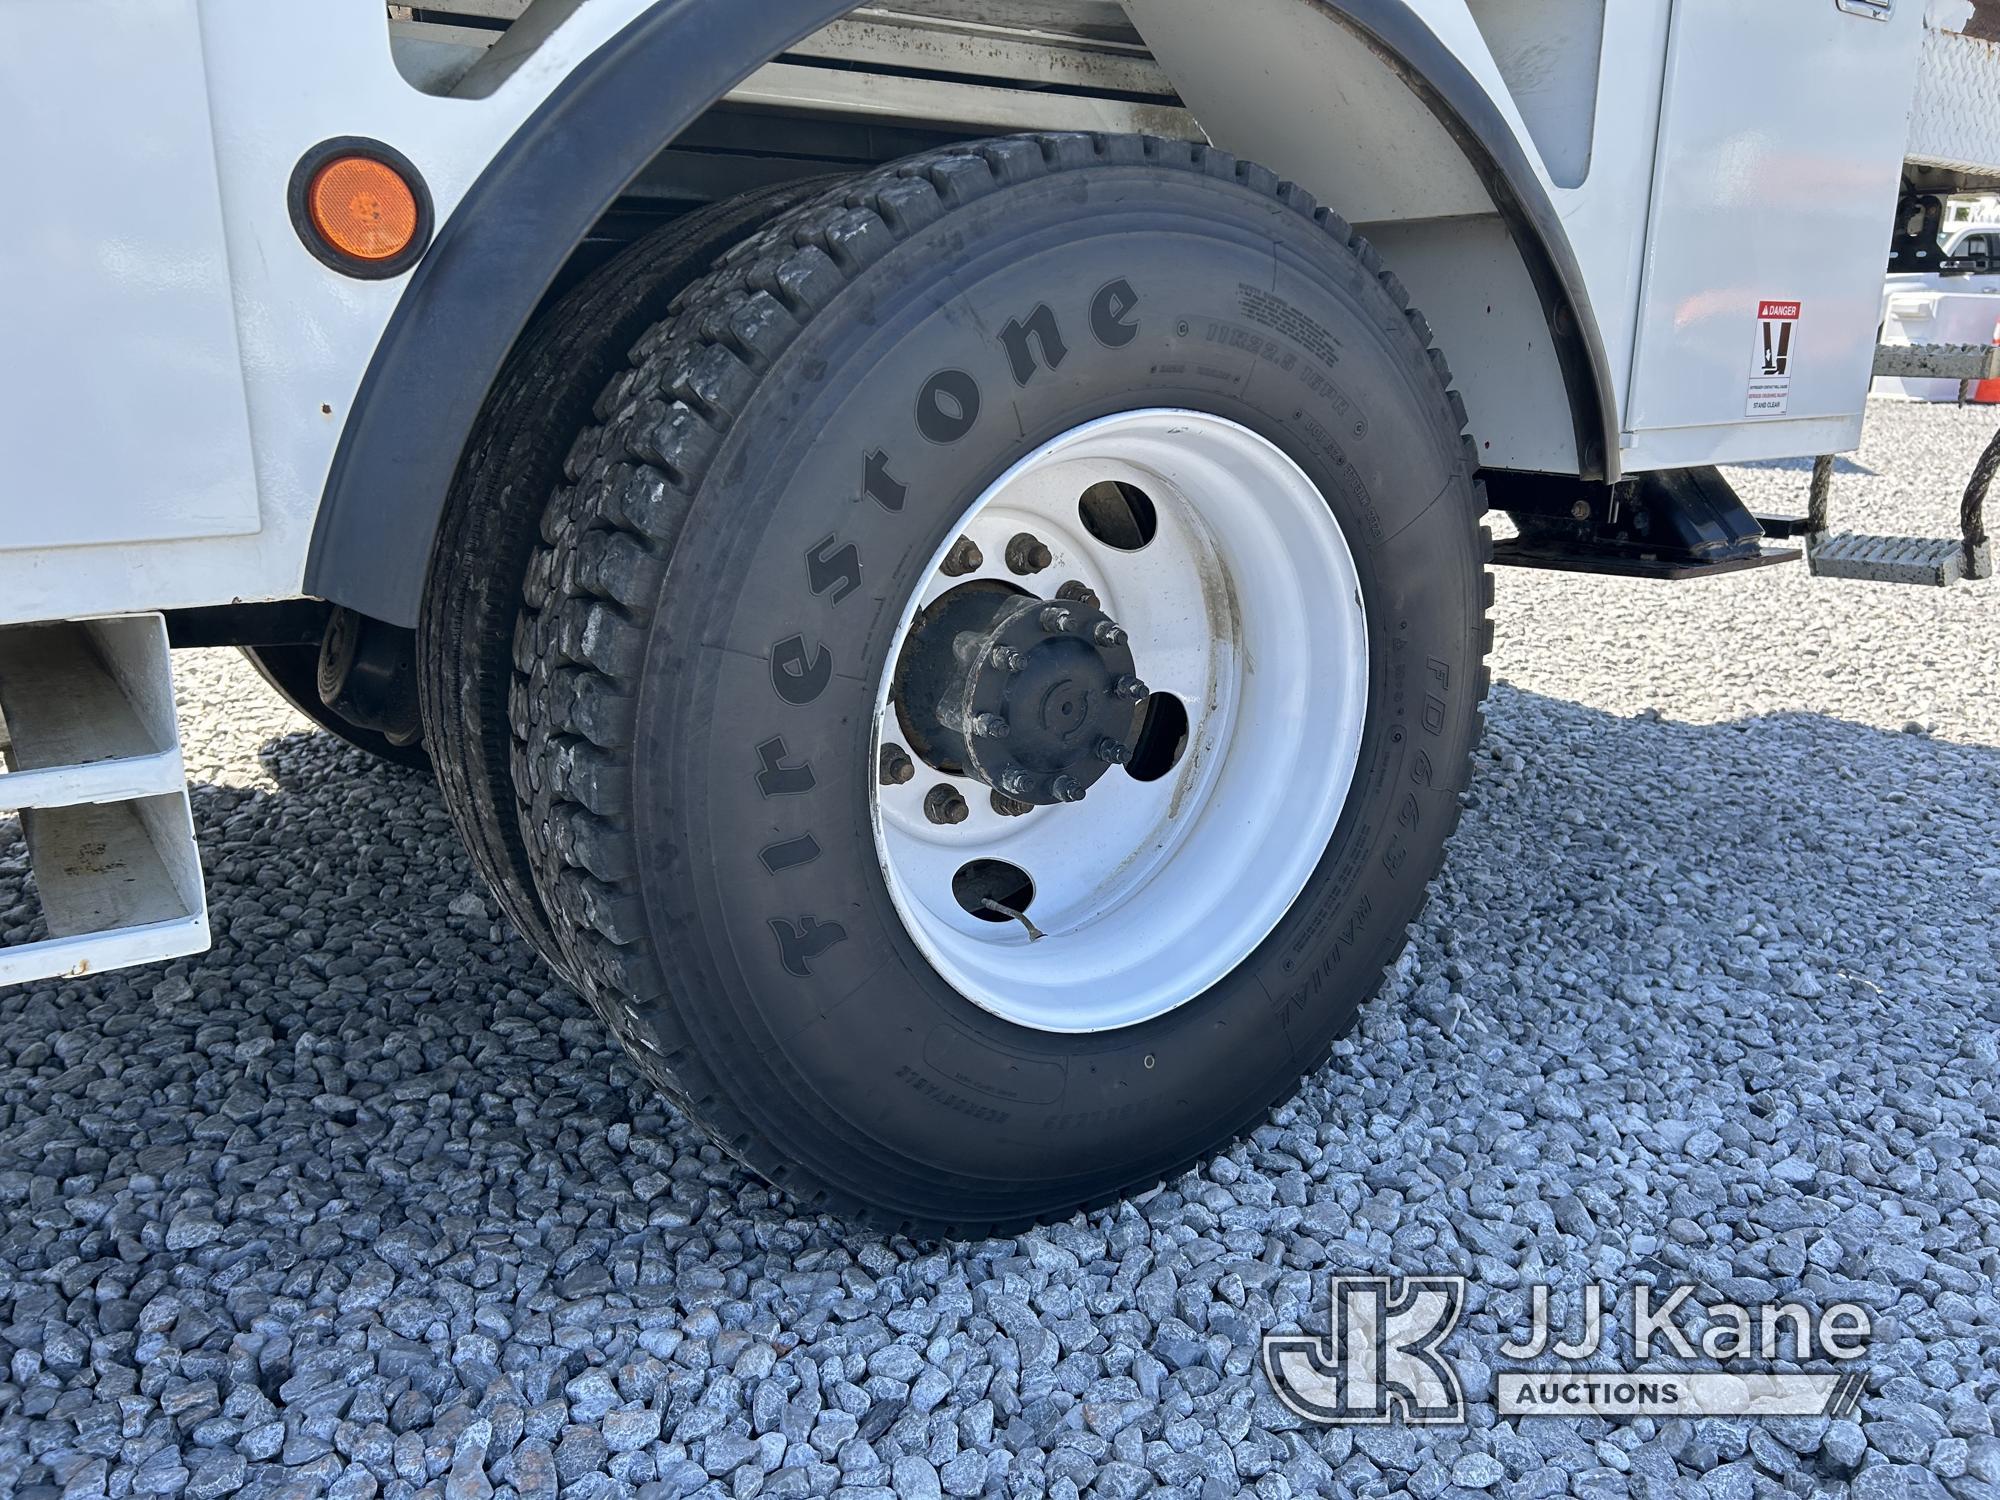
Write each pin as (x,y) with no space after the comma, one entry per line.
(1934,562)
(90,758)
(1962,362)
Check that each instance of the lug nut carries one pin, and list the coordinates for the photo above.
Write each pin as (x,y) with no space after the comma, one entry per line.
(1580,511)
(1067,789)
(1006,659)
(1112,752)
(1028,554)
(1130,688)
(1108,634)
(964,557)
(1007,807)
(991,726)
(942,804)
(1055,619)
(1016,783)
(897,767)
(1078,593)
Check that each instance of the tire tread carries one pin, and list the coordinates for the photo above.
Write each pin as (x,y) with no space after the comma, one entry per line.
(517,454)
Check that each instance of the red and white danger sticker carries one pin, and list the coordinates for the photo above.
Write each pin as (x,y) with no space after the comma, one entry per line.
(1773,356)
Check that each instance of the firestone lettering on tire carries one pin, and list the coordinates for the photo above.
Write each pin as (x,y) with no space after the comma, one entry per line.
(948,407)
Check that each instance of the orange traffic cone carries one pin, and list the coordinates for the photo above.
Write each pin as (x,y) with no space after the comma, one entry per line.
(1987,392)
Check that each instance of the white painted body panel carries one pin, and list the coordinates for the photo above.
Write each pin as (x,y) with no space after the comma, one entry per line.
(184,367)
(1776,159)
(221,469)
(118,299)
(1781,147)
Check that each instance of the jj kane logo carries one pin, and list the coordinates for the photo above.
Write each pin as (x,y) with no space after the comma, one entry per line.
(1384,1357)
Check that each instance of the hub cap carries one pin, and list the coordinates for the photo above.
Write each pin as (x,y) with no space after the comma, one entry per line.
(1121,720)
(1034,697)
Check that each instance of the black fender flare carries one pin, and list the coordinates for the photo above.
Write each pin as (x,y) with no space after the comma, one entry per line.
(501,248)
(483,277)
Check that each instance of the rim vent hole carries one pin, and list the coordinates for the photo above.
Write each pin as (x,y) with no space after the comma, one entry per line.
(1160,739)
(1118,514)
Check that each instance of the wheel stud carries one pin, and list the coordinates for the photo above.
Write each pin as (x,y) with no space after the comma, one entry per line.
(1112,752)
(1007,659)
(991,726)
(942,804)
(1016,782)
(1055,619)
(1079,593)
(1007,807)
(1131,689)
(1067,789)
(964,557)
(1108,634)
(1028,554)
(897,767)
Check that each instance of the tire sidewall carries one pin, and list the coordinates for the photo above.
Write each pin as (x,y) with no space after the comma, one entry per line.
(758,866)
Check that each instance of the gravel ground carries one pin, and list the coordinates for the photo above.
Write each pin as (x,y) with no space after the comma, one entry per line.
(362,1203)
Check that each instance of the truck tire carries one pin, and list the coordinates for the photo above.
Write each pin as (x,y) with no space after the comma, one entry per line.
(512,464)
(879,855)
(293,672)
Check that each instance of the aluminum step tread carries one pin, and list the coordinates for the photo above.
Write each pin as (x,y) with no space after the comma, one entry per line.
(1931,562)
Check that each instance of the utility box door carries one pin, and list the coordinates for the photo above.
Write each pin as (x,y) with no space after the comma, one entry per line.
(122,409)
(1780,150)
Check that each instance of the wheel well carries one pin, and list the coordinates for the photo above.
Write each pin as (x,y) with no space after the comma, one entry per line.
(1363,103)
(1468,211)
(732,149)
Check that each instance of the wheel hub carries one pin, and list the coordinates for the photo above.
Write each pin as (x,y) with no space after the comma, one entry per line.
(1230,575)
(1034,697)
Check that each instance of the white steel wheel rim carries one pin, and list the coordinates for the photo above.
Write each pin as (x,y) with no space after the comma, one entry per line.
(1246,606)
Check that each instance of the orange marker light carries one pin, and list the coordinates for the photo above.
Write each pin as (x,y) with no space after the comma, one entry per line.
(362,207)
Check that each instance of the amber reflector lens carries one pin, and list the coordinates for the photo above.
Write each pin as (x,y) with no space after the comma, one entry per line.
(362,207)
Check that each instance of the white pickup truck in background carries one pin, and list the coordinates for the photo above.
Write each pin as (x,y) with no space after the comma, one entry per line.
(1960,306)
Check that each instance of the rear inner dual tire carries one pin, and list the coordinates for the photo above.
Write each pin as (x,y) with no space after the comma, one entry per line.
(721,586)
(568,373)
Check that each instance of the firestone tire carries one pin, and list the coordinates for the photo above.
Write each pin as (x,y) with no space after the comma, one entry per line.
(719,589)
